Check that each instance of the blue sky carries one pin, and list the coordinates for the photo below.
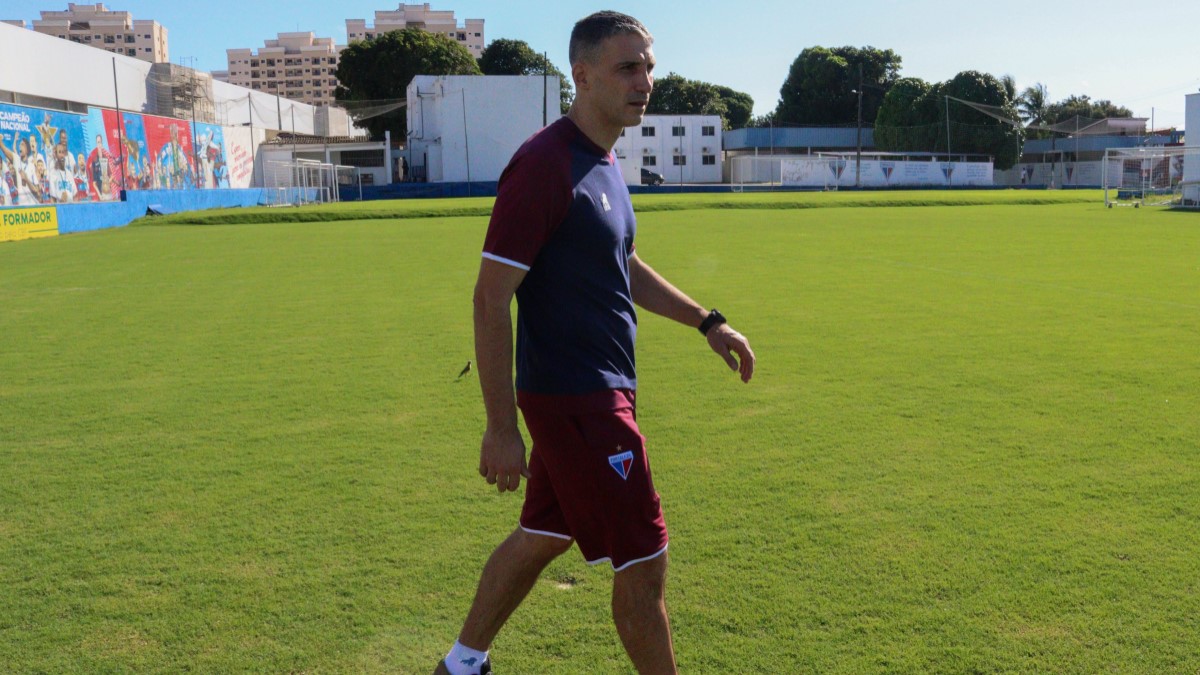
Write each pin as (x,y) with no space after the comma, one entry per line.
(1102,48)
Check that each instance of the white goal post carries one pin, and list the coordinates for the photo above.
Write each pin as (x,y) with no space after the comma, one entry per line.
(771,171)
(1152,176)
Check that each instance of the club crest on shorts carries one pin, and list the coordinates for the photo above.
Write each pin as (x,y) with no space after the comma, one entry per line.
(621,463)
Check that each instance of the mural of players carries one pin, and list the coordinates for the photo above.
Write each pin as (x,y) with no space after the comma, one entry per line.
(170,144)
(210,153)
(105,178)
(136,152)
(39,155)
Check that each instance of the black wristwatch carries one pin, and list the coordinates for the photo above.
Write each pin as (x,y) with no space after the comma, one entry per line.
(714,318)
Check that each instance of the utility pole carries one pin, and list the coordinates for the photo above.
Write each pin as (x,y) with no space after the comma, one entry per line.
(120,127)
(858,154)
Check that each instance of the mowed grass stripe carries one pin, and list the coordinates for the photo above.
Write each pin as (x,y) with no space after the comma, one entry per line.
(970,445)
(643,203)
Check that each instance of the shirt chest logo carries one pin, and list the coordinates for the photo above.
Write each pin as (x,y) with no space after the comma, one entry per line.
(604,201)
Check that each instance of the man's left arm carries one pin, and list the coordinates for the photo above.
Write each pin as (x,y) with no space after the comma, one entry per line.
(655,294)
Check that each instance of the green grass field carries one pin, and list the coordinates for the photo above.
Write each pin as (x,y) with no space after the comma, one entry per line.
(972,444)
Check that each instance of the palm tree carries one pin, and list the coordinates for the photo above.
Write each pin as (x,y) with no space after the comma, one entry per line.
(1032,104)
(1010,87)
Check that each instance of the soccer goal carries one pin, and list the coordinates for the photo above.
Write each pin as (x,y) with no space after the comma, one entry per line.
(301,181)
(792,171)
(1152,176)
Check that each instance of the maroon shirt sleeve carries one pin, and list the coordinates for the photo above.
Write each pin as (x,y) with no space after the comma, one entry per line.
(533,198)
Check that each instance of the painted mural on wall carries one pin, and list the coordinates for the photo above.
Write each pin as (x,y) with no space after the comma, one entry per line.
(41,157)
(212,169)
(54,157)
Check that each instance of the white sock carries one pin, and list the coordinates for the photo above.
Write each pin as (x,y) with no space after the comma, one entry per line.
(464,660)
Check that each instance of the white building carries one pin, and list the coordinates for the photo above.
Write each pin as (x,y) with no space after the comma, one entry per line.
(467,127)
(682,148)
(1191,163)
(469,34)
(115,32)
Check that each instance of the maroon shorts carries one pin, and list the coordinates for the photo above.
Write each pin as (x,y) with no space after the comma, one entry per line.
(590,478)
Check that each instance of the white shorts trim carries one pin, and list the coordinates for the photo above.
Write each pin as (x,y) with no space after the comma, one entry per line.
(546,534)
(652,556)
(506,261)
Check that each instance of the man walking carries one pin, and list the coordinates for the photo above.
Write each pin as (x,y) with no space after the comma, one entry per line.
(561,239)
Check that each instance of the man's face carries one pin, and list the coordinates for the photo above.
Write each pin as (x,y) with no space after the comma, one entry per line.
(619,80)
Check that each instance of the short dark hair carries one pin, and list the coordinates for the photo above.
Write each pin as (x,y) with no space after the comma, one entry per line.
(592,30)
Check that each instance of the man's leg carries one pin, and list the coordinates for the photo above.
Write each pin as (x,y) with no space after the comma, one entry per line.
(640,613)
(507,578)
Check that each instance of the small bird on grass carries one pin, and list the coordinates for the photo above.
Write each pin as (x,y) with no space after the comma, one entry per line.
(466,369)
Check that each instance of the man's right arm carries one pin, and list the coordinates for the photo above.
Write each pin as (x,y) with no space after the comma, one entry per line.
(502,452)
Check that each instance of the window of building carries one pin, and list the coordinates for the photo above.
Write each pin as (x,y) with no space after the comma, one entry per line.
(678,131)
(363,158)
(649,160)
(110,39)
(146,36)
(647,131)
(679,160)
(129,39)
(708,131)
(708,160)
(132,51)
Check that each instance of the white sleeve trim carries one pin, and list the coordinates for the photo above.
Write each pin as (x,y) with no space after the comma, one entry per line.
(506,261)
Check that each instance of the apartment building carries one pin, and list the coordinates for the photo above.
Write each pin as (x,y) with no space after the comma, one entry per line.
(303,67)
(469,34)
(299,66)
(116,32)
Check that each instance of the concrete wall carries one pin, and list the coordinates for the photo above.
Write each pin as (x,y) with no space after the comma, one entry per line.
(40,65)
(467,127)
(680,159)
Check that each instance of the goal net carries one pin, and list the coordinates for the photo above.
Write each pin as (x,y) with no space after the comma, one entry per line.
(1152,176)
(300,181)
(794,171)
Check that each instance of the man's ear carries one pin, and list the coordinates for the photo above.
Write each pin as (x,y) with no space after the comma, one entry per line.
(579,73)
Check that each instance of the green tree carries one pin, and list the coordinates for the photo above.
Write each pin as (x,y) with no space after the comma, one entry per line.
(820,86)
(1084,106)
(974,132)
(677,95)
(739,107)
(381,69)
(516,57)
(907,119)
(1031,105)
(913,118)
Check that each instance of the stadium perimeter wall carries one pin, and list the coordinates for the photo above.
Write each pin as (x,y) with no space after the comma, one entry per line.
(86,217)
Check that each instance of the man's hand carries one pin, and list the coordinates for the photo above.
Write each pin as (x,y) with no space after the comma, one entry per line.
(726,342)
(502,458)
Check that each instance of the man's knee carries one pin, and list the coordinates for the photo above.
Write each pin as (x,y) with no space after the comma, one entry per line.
(645,580)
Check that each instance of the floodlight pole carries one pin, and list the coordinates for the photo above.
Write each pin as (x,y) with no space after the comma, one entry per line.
(949,159)
(120,125)
(858,153)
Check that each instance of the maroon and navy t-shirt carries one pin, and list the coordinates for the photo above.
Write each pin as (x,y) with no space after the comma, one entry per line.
(563,214)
